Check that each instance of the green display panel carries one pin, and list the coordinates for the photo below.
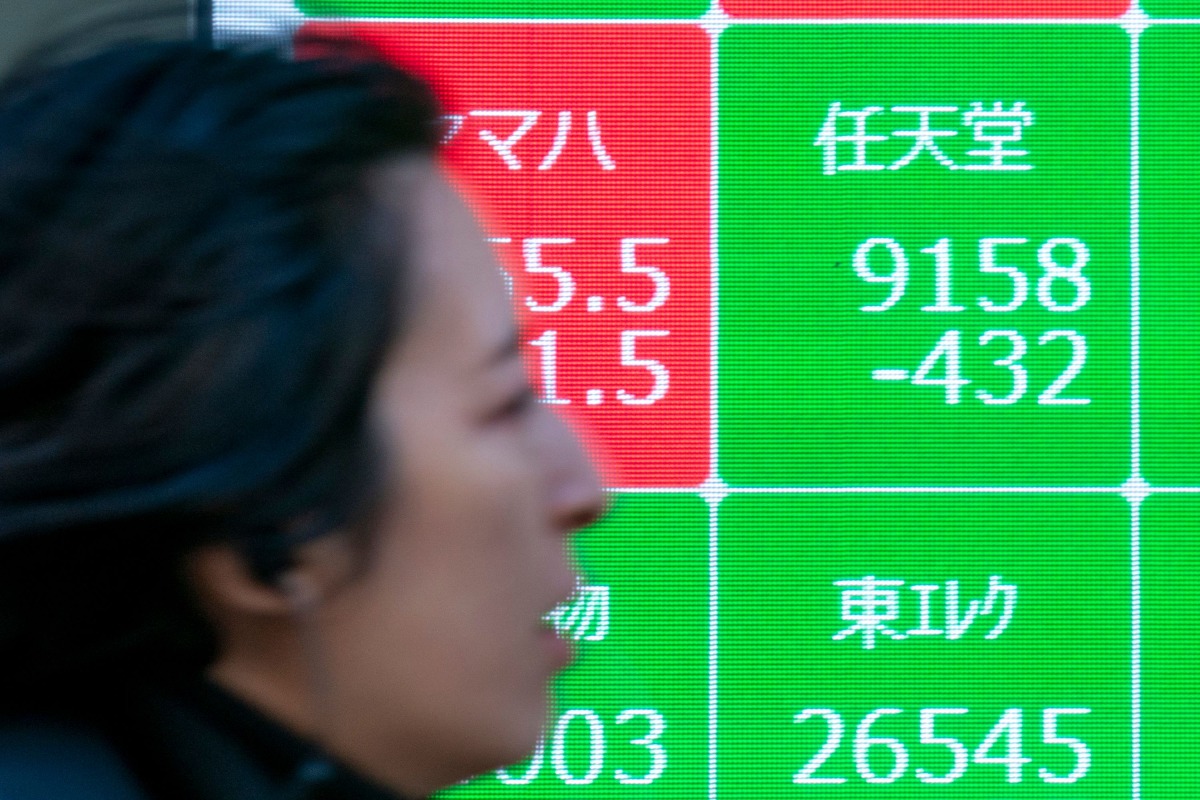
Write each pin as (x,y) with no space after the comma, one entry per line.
(1171,8)
(630,718)
(924,646)
(505,8)
(1170,566)
(1170,263)
(924,258)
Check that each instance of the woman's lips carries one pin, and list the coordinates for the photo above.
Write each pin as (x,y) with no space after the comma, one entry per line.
(560,651)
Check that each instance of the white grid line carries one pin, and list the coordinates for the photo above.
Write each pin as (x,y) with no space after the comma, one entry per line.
(714,36)
(713,644)
(1135,678)
(1135,260)
(1135,421)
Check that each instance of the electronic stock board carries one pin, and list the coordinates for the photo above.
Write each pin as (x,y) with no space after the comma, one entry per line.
(885,318)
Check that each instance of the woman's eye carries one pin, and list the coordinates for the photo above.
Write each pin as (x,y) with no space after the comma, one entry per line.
(515,406)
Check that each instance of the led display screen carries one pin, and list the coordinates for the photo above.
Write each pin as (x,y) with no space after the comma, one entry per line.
(883,319)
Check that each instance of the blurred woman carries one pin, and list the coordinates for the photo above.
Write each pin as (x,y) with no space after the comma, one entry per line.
(280,515)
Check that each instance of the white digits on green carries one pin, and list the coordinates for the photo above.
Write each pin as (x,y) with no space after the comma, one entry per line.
(1083,756)
(1020,376)
(941,277)
(1050,397)
(957,749)
(837,729)
(1009,726)
(658,755)
(596,750)
(863,742)
(987,263)
(531,772)
(1052,271)
(898,277)
(558,747)
(1072,273)
(949,348)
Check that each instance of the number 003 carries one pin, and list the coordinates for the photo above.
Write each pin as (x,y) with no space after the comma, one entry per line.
(577,771)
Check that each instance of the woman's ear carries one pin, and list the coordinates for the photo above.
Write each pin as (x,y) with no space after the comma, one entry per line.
(225,582)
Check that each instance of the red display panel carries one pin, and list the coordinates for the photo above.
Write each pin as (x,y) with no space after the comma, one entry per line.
(925,9)
(592,164)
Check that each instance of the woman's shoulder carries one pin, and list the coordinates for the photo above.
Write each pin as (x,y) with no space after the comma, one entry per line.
(51,758)
(183,740)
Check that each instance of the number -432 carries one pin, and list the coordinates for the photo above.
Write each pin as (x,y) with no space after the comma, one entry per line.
(942,368)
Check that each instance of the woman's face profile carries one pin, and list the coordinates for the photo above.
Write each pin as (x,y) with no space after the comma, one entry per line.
(438,654)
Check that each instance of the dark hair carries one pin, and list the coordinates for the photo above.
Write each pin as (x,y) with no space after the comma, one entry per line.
(191,315)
